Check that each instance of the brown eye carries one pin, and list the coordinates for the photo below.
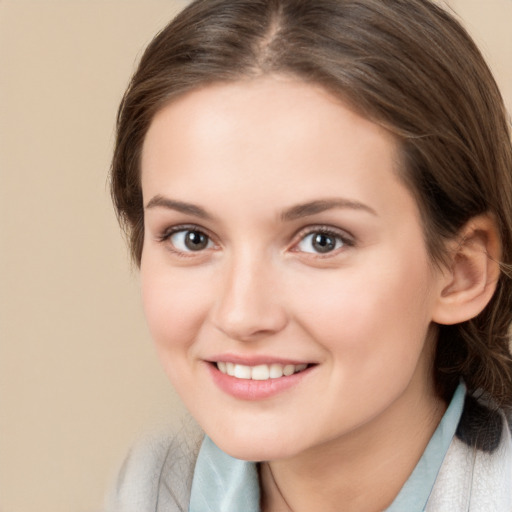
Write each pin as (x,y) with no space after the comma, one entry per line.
(187,240)
(321,242)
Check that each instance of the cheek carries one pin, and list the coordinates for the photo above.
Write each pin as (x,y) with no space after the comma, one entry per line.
(372,318)
(174,307)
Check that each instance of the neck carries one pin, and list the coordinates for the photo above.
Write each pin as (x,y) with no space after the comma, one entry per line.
(362,470)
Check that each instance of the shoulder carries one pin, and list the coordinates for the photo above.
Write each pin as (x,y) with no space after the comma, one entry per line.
(477,471)
(157,472)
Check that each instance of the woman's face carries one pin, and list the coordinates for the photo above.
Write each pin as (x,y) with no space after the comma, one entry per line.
(281,247)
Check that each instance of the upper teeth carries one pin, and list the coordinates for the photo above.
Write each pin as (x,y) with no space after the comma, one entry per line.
(260,372)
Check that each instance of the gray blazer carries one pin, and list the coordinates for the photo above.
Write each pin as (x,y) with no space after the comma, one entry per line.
(156,476)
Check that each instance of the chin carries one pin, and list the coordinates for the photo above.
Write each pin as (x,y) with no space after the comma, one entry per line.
(253,453)
(247,446)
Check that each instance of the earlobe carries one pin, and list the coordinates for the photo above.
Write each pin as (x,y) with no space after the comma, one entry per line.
(470,280)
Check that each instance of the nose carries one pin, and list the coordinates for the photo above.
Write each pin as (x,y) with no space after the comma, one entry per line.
(249,305)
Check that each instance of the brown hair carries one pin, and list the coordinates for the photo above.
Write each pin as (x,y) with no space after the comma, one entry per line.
(405,64)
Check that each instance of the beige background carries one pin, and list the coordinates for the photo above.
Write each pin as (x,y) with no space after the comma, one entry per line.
(78,377)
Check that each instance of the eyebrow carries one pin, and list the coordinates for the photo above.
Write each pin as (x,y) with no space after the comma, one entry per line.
(293,213)
(179,206)
(319,206)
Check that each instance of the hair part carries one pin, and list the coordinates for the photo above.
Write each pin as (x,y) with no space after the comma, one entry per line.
(405,64)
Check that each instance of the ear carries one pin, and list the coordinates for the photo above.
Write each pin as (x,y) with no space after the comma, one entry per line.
(472,273)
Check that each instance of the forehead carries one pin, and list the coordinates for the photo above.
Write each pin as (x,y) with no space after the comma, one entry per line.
(275,134)
(292,107)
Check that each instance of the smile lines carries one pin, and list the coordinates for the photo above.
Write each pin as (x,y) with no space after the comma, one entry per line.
(259,372)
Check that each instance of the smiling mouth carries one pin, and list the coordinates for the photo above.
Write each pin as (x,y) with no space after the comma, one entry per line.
(259,372)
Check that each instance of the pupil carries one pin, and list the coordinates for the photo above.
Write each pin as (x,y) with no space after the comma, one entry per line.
(324,243)
(195,241)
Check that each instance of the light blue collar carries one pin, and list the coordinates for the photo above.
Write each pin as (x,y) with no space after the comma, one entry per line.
(415,492)
(223,483)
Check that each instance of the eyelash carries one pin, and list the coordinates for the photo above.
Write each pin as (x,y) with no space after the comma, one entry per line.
(345,238)
(168,233)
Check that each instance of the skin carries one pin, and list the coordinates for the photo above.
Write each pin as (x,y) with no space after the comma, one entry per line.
(243,154)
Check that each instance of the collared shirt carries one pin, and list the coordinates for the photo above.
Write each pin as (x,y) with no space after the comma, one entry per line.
(223,483)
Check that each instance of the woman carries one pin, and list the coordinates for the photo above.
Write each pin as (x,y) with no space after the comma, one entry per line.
(319,197)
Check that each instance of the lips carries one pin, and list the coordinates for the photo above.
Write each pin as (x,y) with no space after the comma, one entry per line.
(257,379)
(259,372)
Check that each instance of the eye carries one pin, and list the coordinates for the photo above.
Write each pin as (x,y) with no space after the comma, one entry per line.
(322,242)
(189,240)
